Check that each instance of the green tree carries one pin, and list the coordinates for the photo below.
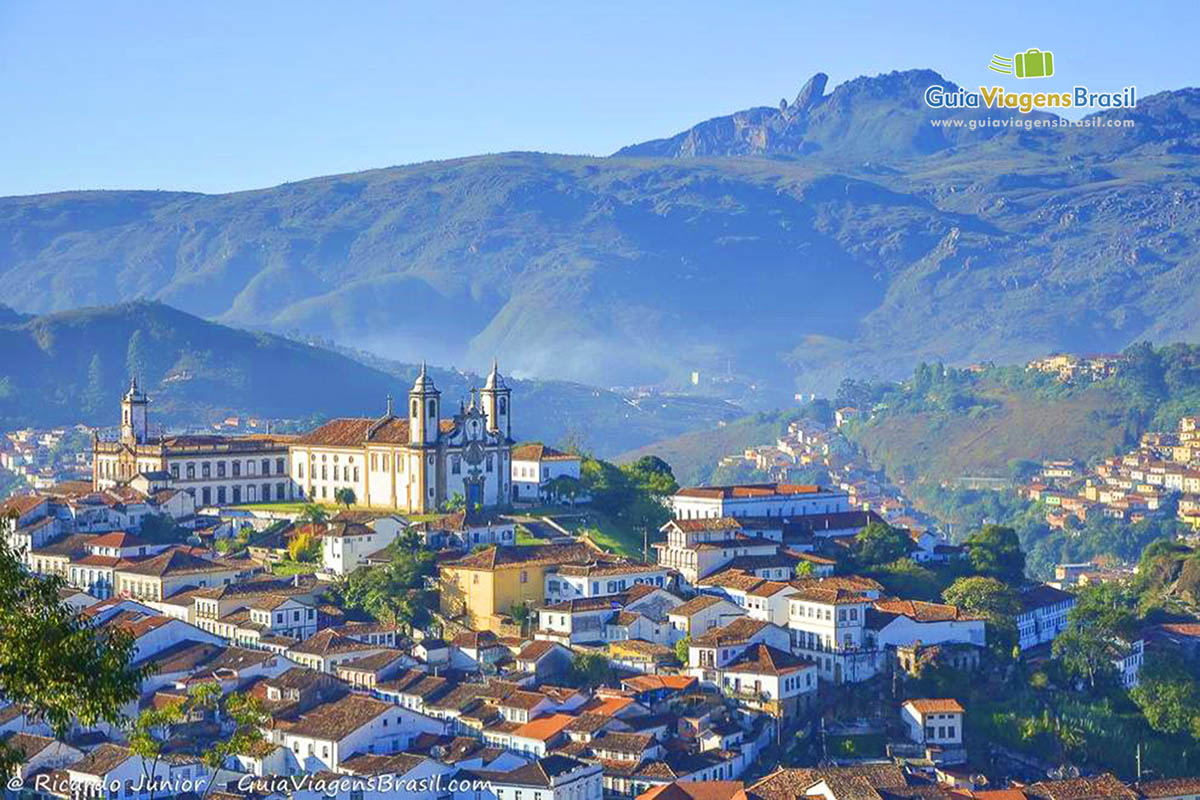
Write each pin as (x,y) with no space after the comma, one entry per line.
(304,548)
(53,662)
(993,599)
(457,502)
(95,394)
(879,544)
(995,551)
(345,495)
(137,357)
(1102,616)
(1168,696)
(395,591)
(681,649)
(314,514)
(590,670)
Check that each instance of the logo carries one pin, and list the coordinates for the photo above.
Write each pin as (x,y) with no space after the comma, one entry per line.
(1033,63)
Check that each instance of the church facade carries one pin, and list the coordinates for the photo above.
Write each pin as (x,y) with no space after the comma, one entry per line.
(415,462)
(215,470)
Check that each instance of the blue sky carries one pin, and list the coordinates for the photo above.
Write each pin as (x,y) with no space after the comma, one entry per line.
(217,96)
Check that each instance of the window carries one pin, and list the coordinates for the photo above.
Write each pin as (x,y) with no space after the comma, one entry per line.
(175,471)
(300,470)
(220,469)
(503,405)
(220,494)
(206,470)
(432,408)
(489,462)
(455,465)
(524,576)
(278,466)
(266,466)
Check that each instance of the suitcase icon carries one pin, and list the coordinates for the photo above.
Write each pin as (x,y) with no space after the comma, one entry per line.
(1034,63)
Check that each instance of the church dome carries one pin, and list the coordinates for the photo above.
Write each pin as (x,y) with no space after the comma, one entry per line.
(494,379)
(423,383)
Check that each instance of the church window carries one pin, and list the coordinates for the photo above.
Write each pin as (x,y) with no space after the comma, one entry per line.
(279,491)
(432,408)
(399,463)
(490,462)
(278,466)
(236,466)
(324,476)
(237,495)
(220,469)
(503,405)
(220,495)
(356,474)
(455,465)
(374,462)
(266,466)
(206,470)
(300,470)
(206,496)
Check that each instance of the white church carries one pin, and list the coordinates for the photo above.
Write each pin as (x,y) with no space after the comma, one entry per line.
(413,463)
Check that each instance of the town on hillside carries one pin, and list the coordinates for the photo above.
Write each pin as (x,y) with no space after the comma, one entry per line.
(401,604)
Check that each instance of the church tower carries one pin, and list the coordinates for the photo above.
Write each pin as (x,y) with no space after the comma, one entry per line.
(424,410)
(134,426)
(424,414)
(497,403)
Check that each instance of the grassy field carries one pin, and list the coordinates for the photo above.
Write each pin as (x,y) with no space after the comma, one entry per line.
(693,456)
(286,569)
(1088,425)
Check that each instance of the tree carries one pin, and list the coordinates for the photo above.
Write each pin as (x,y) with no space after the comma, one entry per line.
(457,502)
(995,551)
(1101,618)
(53,662)
(879,544)
(314,514)
(304,548)
(520,614)
(137,361)
(993,599)
(1168,696)
(395,591)
(590,670)
(345,496)
(95,396)
(681,649)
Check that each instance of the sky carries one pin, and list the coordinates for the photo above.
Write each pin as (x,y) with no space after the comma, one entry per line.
(219,96)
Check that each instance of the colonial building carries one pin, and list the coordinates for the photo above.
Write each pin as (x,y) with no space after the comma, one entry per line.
(414,463)
(212,469)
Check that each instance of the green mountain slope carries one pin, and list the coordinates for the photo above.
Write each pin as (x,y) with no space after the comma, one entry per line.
(846,242)
(72,367)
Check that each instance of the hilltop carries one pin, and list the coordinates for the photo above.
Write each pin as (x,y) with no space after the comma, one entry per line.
(782,247)
(70,367)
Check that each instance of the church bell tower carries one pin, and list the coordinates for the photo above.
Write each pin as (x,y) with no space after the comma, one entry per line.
(134,425)
(497,403)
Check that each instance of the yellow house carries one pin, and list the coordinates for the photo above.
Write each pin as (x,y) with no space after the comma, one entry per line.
(482,588)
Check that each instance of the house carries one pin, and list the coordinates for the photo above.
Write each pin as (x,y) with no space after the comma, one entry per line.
(1043,614)
(367,672)
(712,651)
(538,736)
(770,680)
(896,623)
(545,660)
(696,790)
(601,577)
(640,655)
(465,530)
(161,576)
(1104,786)
(1170,789)
(324,736)
(701,614)
(327,649)
(933,722)
(827,620)
(699,547)
(482,588)
(757,500)
(109,770)
(553,777)
(542,474)
(38,754)
(346,543)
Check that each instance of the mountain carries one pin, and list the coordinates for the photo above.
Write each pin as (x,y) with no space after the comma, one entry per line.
(772,251)
(69,367)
